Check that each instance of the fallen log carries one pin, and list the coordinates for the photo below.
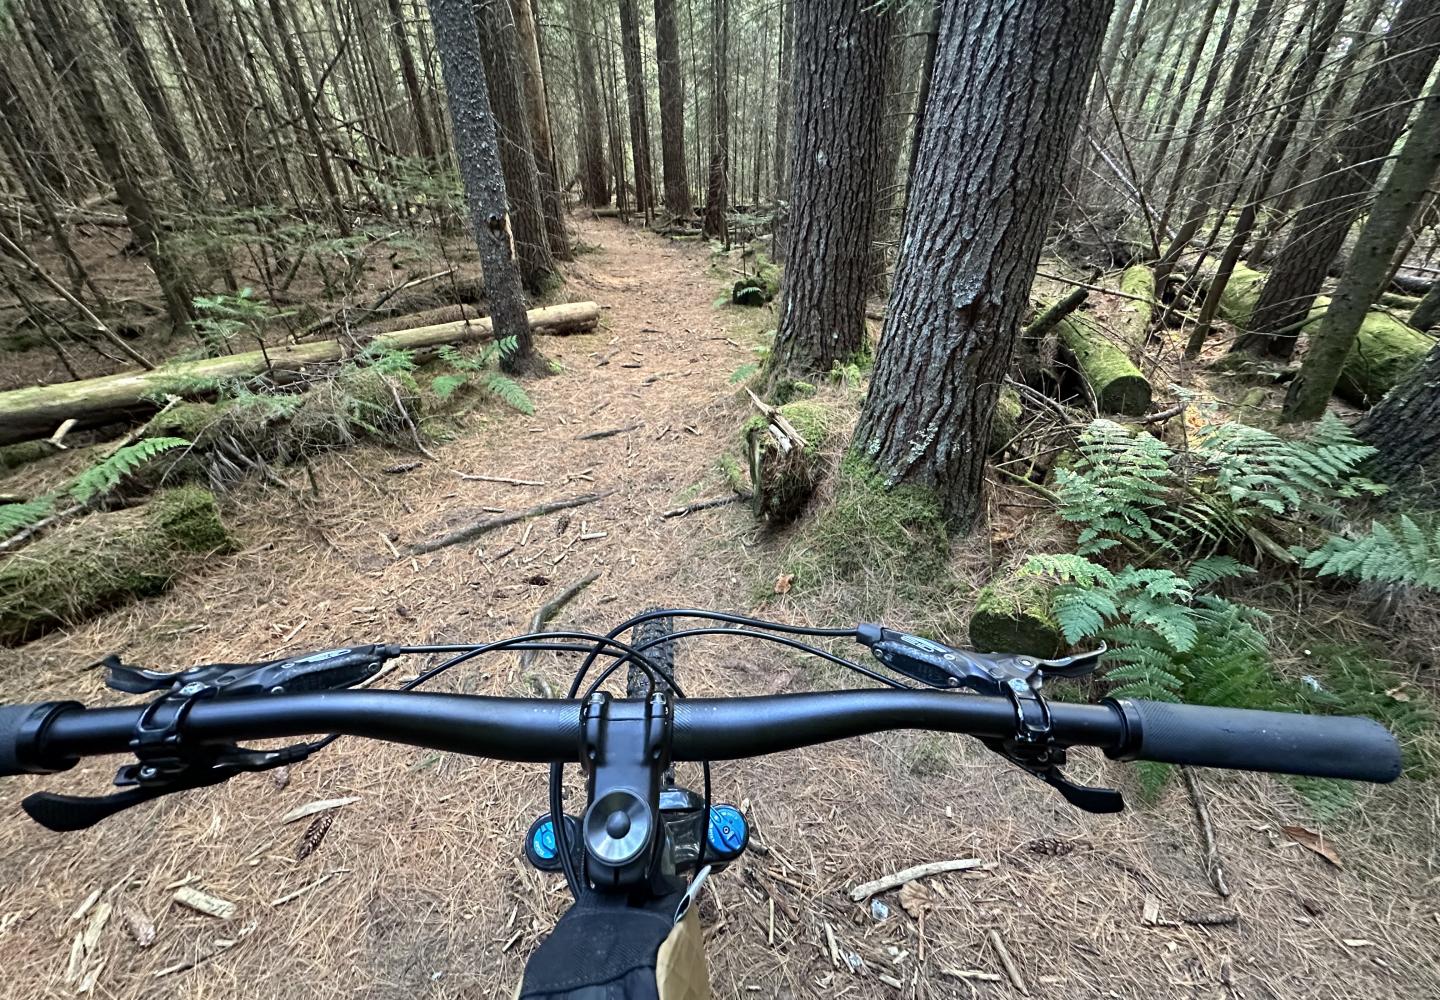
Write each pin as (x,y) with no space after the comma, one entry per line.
(1114,381)
(104,560)
(27,414)
(1132,318)
(1012,615)
(1385,350)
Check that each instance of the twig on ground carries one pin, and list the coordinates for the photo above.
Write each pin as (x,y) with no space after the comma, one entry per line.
(476,530)
(868,889)
(598,435)
(1164,415)
(473,477)
(1008,963)
(1213,866)
(395,470)
(414,431)
(705,505)
(550,608)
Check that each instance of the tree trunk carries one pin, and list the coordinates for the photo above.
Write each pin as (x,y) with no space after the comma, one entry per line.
(922,100)
(55,31)
(36,148)
(1368,269)
(1002,114)
(838,100)
(717,192)
(498,50)
(1291,108)
(419,113)
(672,110)
(1408,55)
(1289,186)
(1427,313)
(152,97)
(783,90)
(1217,160)
(594,182)
(541,141)
(1405,427)
(307,114)
(639,118)
(1177,106)
(477,150)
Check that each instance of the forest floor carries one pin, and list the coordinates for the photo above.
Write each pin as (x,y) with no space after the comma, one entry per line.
(418,889)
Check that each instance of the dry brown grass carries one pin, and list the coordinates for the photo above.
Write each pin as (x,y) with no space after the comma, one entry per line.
(428,897)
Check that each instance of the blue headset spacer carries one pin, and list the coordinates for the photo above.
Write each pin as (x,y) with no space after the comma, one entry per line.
(542,841)
(728,832)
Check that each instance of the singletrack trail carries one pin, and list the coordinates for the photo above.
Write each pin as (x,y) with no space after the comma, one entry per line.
(417,888)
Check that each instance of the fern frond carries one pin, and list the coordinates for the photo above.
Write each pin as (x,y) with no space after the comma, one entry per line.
(445,386)
(509,392)
(104,476)
(16,517)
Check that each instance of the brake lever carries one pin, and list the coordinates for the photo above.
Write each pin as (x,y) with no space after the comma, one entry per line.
(1015,676)
(327,670)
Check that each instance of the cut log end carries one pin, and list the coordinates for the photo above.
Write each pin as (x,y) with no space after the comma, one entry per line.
(1114,381)
(1012,615)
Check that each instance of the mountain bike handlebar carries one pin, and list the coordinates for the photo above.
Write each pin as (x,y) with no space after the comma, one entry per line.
(53,736)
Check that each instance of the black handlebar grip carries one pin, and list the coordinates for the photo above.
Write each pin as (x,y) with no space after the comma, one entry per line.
(21,730)
(1311,745)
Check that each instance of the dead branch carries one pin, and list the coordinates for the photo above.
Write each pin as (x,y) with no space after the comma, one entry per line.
(476,530)
(706,505)
(1046,321)
(550,608)
(598,435)
(1213,866)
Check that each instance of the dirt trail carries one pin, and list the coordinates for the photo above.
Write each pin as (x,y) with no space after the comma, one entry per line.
(423,894)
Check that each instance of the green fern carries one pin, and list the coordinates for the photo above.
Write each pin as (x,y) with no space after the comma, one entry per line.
(445,386)
(104,476)
(743,373)
(509,392)
(16,517)
(1404,551)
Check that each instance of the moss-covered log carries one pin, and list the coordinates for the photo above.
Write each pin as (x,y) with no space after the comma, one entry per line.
(1114,381)
(1012,615)
(758,288)
(1005,423)
(35,412)
(1385,348)
(1132,318)
(104,560)
(784,471)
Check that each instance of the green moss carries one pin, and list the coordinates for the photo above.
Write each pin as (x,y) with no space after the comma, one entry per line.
(12,456)
(734,474)
(1114,380)
(1005,423)
(1241,293)
(1385,351)
(791,389)
(785,480)
(104,560)
(893,536)
(190,421)
(1012,615)
(1139,281)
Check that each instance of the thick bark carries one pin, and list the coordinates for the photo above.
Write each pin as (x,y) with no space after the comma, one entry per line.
(419,113)
(717,191)
(477,148)
(922,100)
(498,50)
(1405,427)
(639,117)
(1002,114)
(594,181)
(152,97)
(839,97)
(1368,269)
(542,144)
(672,110)
(1408,55)
(55,32)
